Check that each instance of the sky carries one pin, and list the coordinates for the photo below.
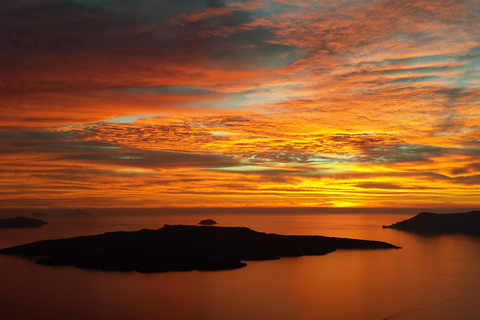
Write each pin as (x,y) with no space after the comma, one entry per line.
(259,103)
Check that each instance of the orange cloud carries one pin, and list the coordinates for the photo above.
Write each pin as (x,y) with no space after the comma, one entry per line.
(257,103)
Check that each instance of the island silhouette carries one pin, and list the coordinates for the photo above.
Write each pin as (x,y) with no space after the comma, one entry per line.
(39,214)
(207,222)
(181,248)
(21,222)
(78,212)
(434,223)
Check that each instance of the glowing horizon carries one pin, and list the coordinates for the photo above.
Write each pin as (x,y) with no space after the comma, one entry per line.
(261,103)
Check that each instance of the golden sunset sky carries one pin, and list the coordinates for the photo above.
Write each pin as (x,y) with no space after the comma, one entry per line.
(189,103)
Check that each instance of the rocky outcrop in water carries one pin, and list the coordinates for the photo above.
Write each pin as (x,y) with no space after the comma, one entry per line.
(207,222)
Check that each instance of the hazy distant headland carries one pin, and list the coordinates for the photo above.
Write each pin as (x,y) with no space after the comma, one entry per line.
(434,223)
(182,248)
(21,222)
(78,212)
(39,214)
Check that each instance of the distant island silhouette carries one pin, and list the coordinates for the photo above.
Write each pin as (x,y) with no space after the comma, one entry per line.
(79,213)
(181,248)
(434,223)
(38,214)
(21,222)
(207,222)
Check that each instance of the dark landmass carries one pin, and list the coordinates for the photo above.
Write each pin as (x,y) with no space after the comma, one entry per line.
(207,222)
(79,213)
(181,248)
(434,223)
(21,222)
(38,214)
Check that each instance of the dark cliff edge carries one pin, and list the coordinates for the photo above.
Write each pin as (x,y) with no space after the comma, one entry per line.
(21,222)
(181,248)
(427,223)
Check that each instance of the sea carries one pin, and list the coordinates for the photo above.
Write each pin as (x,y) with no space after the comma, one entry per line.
(430,277)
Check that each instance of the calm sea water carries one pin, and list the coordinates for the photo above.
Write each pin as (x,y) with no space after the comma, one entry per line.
(429,278)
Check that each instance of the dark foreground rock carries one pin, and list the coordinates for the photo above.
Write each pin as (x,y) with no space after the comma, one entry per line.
(21,222)
(207,222)
(434,223)
(181,248)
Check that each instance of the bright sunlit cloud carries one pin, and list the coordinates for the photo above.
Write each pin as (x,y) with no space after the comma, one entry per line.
(240,103)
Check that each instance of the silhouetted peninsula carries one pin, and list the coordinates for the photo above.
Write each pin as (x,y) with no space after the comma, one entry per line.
(434,223)
(79,213)
(21,222)
(181,248)
(207,222)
